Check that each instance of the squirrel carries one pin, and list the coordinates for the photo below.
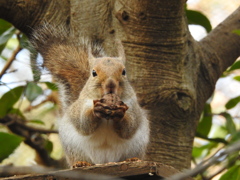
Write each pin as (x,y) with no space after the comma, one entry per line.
(101,119)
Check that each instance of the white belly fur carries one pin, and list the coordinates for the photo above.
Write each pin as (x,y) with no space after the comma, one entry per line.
(104,145)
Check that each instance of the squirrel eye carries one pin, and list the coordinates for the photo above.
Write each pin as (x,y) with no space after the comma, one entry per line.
(124,72)
(94,73)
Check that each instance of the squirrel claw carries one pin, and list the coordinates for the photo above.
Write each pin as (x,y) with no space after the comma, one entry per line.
(81,164)
(110,107)
(133,159)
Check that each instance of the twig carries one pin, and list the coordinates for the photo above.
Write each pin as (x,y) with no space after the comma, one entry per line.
(21,123)
(195,163)
(32,137)
(50,98)
(203,166)
(223,168)
(11,59)
(217,140)
(38,130)
(214,154)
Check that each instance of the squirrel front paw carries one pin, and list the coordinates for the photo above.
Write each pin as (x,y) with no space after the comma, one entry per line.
(81,164)
(110,107)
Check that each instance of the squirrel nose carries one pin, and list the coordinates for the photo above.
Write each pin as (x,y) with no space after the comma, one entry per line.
(110,86)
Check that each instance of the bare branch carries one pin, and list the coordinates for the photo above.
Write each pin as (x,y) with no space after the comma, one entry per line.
(222,46)
(53,97)
(217,140)
(32,136)
(13,56)
(203,166)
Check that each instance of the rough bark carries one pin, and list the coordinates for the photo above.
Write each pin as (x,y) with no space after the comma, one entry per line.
(172,74)
(26,15)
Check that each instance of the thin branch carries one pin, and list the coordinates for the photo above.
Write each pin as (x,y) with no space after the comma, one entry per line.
(222,169)
(38,130)
(217,140)
(51,98)
(203,166)
(32,137)
(11,59)
(22,123)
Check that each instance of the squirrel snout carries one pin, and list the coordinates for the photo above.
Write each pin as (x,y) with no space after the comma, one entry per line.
(110,86)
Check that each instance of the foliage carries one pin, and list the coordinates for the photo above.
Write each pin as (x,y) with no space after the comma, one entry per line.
(198,18)
(11,102)
(210,137)
(217,136)
(13,143)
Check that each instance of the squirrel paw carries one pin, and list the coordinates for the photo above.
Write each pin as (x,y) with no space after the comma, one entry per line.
(81,164)
(109,107)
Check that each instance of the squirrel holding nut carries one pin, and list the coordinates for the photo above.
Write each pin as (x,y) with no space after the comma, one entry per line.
(101,119)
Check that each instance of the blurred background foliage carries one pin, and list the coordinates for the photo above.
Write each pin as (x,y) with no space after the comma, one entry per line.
(29,100)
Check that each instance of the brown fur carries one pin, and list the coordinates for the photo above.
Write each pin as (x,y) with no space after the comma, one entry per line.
(91,130)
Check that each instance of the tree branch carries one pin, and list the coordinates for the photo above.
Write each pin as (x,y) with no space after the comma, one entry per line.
(32,137)
(26,15)
(203,166)
(222,46)
(217,140)
(13,56)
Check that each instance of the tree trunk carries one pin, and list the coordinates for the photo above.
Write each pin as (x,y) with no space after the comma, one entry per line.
(172,74)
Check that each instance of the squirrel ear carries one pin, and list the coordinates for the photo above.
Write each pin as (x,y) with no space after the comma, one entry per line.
(121,52)
(90,56)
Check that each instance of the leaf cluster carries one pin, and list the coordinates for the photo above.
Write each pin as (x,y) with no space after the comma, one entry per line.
(12,115)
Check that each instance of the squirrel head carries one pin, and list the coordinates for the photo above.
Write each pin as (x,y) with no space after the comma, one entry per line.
(109,75)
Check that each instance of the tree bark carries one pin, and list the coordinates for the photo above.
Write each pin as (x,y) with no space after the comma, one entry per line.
(26,15)
(172,74)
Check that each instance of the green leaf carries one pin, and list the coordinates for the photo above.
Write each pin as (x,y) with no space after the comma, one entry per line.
(236,137)
(197,18)
(198,151)
(230,125)
(33,91)
(232,174)
(217,139)
(205,123)
(9,99)
(232,102)
(49,146)
(235,66)
(203,150)
(237,78)
(36,121)
(23,41)
(4,58)
(5,37)
(8,143)
(237,31)
(17,112)
(51,86)
(4,25)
